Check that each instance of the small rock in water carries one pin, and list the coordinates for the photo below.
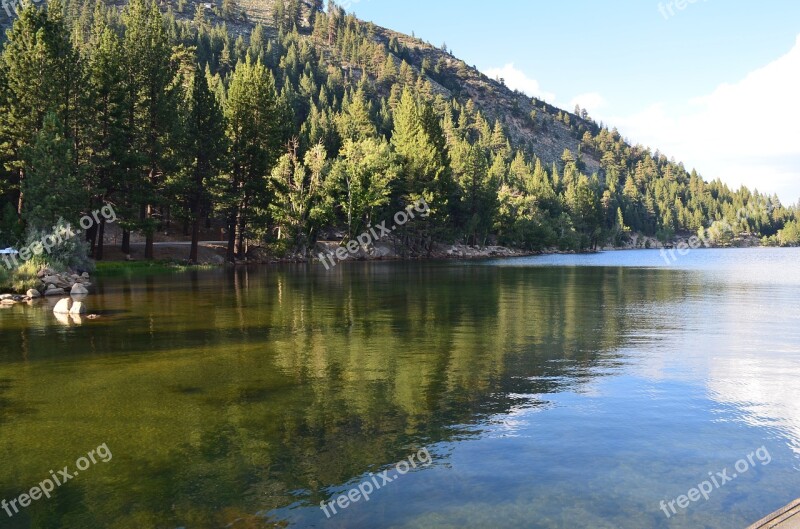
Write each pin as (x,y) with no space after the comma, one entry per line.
(63,306)
(78,290)
(33,293)
(54,292)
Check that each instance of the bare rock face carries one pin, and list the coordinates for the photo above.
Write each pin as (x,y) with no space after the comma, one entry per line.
(63,306)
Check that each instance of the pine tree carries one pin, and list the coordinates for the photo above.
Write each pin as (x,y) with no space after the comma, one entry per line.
(153,99)
(41,75)
(207,148)
(477,193)
(254,135)
(355,121)
(55,190)
(107,136)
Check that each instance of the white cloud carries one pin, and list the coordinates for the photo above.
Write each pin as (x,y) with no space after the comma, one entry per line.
(517,80)
(746,132)
(591,101)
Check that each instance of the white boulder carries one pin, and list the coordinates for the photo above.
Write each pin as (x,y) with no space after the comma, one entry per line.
(63,306)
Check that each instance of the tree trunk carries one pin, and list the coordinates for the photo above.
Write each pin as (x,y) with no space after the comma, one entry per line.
(239,237)
(21,200)
(126,241)
(195,240)
(148,238)
(240,228)
(148,246)
(91,238)
(101,233)
(231,257)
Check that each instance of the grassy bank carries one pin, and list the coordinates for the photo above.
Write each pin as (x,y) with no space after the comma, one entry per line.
(134,268)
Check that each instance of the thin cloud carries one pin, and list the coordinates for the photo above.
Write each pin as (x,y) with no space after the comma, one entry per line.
(745,133)
(517,80)
(591,101)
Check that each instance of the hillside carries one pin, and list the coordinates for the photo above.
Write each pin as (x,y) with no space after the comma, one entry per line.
(544,135)
(311,123)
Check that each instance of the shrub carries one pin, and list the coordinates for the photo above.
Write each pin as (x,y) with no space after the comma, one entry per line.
(790,234)
(19,280)
(4,279)
(72,253)
(25,277)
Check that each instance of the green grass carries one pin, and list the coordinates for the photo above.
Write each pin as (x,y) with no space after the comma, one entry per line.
(25,277)
(133,268)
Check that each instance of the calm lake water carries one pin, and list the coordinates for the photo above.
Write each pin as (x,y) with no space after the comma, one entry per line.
(550,392)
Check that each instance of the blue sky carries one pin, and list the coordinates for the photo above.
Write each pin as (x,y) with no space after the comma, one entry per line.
(713,84)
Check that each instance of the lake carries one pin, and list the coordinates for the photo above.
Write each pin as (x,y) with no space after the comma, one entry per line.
(554,391)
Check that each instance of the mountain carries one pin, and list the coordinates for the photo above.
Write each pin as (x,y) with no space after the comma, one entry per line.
(545,134)
(314,122)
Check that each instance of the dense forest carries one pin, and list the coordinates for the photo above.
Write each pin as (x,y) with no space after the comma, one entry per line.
(311,126)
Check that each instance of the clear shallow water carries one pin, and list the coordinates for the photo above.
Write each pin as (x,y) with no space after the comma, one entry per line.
(552,392)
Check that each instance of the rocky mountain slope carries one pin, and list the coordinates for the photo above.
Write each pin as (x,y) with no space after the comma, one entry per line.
(530,123)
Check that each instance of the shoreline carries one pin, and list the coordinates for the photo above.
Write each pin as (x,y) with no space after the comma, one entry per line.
(111,267)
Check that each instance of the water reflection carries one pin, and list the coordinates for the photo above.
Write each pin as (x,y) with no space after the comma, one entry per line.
(229,396)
